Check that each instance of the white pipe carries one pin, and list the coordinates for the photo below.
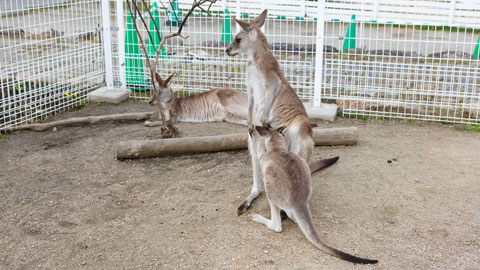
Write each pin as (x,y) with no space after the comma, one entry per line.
(107,43)
(121,44)
(319,53)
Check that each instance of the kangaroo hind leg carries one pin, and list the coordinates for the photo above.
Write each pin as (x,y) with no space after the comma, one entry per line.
(275,223)
(257,182)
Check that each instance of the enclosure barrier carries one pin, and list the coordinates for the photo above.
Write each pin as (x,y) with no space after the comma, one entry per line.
(374,58)
(51,56)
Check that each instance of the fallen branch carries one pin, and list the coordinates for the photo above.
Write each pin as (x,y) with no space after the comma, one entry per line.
(155,148)
(82,121)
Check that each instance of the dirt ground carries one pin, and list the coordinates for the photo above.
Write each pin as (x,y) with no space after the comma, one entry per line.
(67,203)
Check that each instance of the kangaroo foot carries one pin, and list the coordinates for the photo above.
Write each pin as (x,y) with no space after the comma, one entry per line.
(242,208)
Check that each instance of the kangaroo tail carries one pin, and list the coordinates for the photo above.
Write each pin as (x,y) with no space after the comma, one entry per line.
(304,219)
(316,165)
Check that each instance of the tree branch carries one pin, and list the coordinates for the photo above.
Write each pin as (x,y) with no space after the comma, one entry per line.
(152,68)
(81,121)
(168,128)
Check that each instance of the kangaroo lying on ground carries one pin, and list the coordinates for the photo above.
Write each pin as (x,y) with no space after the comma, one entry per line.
(287,181)
(271,101)
(216,105)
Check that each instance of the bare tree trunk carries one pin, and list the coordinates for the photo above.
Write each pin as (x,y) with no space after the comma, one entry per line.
(168,130)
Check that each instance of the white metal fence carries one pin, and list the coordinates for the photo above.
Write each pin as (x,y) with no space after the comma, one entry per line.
(406,59)
(381,58)
(50,57)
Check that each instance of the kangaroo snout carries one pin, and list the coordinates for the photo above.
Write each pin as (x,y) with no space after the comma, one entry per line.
(152,101)
(228,50)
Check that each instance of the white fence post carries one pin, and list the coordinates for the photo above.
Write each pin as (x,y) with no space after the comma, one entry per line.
(107,43)
(237,15)
(451,14)
(121,44)
(319,53)
(303,9)
(375,9)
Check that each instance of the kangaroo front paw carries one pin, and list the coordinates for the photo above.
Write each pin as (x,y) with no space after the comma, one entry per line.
(242,208)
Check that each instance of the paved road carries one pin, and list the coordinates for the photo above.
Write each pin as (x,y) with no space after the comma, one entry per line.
(13,6)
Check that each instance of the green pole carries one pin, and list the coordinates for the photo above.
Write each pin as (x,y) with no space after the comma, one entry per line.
(153,32)
(349,42)
(135,76)
(476,52)
(174,20)
(226,31)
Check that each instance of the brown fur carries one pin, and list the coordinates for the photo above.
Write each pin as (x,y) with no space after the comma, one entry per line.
(221,104)
(272,101)
(288,186)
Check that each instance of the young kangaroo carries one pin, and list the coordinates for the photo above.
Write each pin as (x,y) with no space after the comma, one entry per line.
(216,105)
(288,186)
(271,101)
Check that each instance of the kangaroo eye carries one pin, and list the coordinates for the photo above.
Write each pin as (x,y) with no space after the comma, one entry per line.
(237,40)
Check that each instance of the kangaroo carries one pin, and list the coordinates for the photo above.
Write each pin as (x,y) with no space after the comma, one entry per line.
(287,181)
(271,101)
(216,105)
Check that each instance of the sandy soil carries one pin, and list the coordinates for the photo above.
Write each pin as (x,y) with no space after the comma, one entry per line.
(67,203)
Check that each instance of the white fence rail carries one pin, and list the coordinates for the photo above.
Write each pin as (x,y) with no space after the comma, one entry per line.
(435,12)
(380,58)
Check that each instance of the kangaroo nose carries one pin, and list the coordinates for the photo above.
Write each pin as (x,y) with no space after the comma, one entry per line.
(228,50)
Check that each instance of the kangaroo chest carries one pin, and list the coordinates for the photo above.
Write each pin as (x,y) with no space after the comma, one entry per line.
(256,84)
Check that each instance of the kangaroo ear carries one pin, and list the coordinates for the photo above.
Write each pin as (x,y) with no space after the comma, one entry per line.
(159,79)
(166,83)
(245,25)
(262,131)
(260,20)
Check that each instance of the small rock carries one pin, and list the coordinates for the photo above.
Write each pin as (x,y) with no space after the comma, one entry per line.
(12,33)
(389,161)
(83,263)
(44,33)
(54,129)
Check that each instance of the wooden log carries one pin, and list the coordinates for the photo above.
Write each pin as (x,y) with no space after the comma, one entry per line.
(81,121)
(161,147)
(335,136)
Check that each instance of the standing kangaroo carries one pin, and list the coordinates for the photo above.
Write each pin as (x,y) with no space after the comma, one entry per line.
(216,105)
(288,186)
(271,101)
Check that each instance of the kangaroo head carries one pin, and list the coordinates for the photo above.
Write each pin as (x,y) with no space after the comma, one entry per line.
(273,140)
(251,36)
(164,94)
